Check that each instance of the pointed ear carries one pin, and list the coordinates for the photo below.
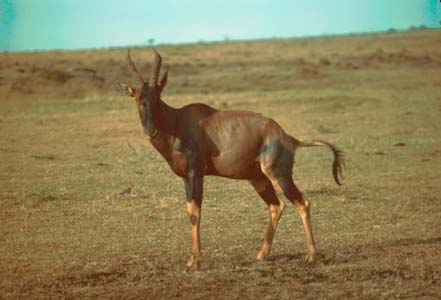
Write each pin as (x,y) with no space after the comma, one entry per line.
(127,89)
(163,81)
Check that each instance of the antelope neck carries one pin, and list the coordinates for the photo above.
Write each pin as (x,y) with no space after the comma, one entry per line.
(165,120)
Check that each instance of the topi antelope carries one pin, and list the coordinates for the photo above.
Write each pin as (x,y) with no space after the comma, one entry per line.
(198,140)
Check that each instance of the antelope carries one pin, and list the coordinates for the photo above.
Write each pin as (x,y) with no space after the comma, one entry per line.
(198,140)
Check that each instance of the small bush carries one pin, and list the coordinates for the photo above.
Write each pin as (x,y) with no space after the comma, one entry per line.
(324,62)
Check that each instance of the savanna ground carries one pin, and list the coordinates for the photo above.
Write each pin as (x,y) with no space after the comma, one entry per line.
(90,210)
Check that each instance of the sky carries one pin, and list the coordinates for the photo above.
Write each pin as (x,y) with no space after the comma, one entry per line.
(27,25)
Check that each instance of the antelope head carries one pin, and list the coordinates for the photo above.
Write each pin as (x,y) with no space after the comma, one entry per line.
(148,95)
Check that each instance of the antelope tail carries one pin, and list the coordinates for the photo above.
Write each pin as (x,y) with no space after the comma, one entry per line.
(338,162)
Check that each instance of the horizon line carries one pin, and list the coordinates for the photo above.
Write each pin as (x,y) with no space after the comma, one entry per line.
(225,40)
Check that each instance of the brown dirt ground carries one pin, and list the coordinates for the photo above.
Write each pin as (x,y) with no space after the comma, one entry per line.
(70,144)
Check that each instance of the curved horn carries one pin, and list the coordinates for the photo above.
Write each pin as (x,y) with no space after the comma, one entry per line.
(133,67)
(155,71)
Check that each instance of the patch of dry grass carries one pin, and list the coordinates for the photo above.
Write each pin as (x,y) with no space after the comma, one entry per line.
(90,210)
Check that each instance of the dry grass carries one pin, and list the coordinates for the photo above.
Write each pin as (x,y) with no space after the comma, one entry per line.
(70,145)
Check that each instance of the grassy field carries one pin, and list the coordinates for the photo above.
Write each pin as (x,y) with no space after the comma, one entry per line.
(90,210)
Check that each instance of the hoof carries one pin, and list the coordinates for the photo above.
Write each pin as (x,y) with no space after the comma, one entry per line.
(263,254)
(310,258)
(194,262)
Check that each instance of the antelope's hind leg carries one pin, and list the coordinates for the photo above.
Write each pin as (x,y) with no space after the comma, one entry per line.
(277,163)
(303,207)
(266,191)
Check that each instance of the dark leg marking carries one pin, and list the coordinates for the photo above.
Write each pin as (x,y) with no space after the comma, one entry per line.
(193,220)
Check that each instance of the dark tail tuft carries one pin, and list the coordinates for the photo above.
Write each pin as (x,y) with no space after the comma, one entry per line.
(338,162)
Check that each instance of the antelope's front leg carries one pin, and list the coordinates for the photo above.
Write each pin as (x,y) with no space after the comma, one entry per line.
(193,188)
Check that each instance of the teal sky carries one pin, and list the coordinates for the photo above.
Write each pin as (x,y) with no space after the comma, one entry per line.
(73,24)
